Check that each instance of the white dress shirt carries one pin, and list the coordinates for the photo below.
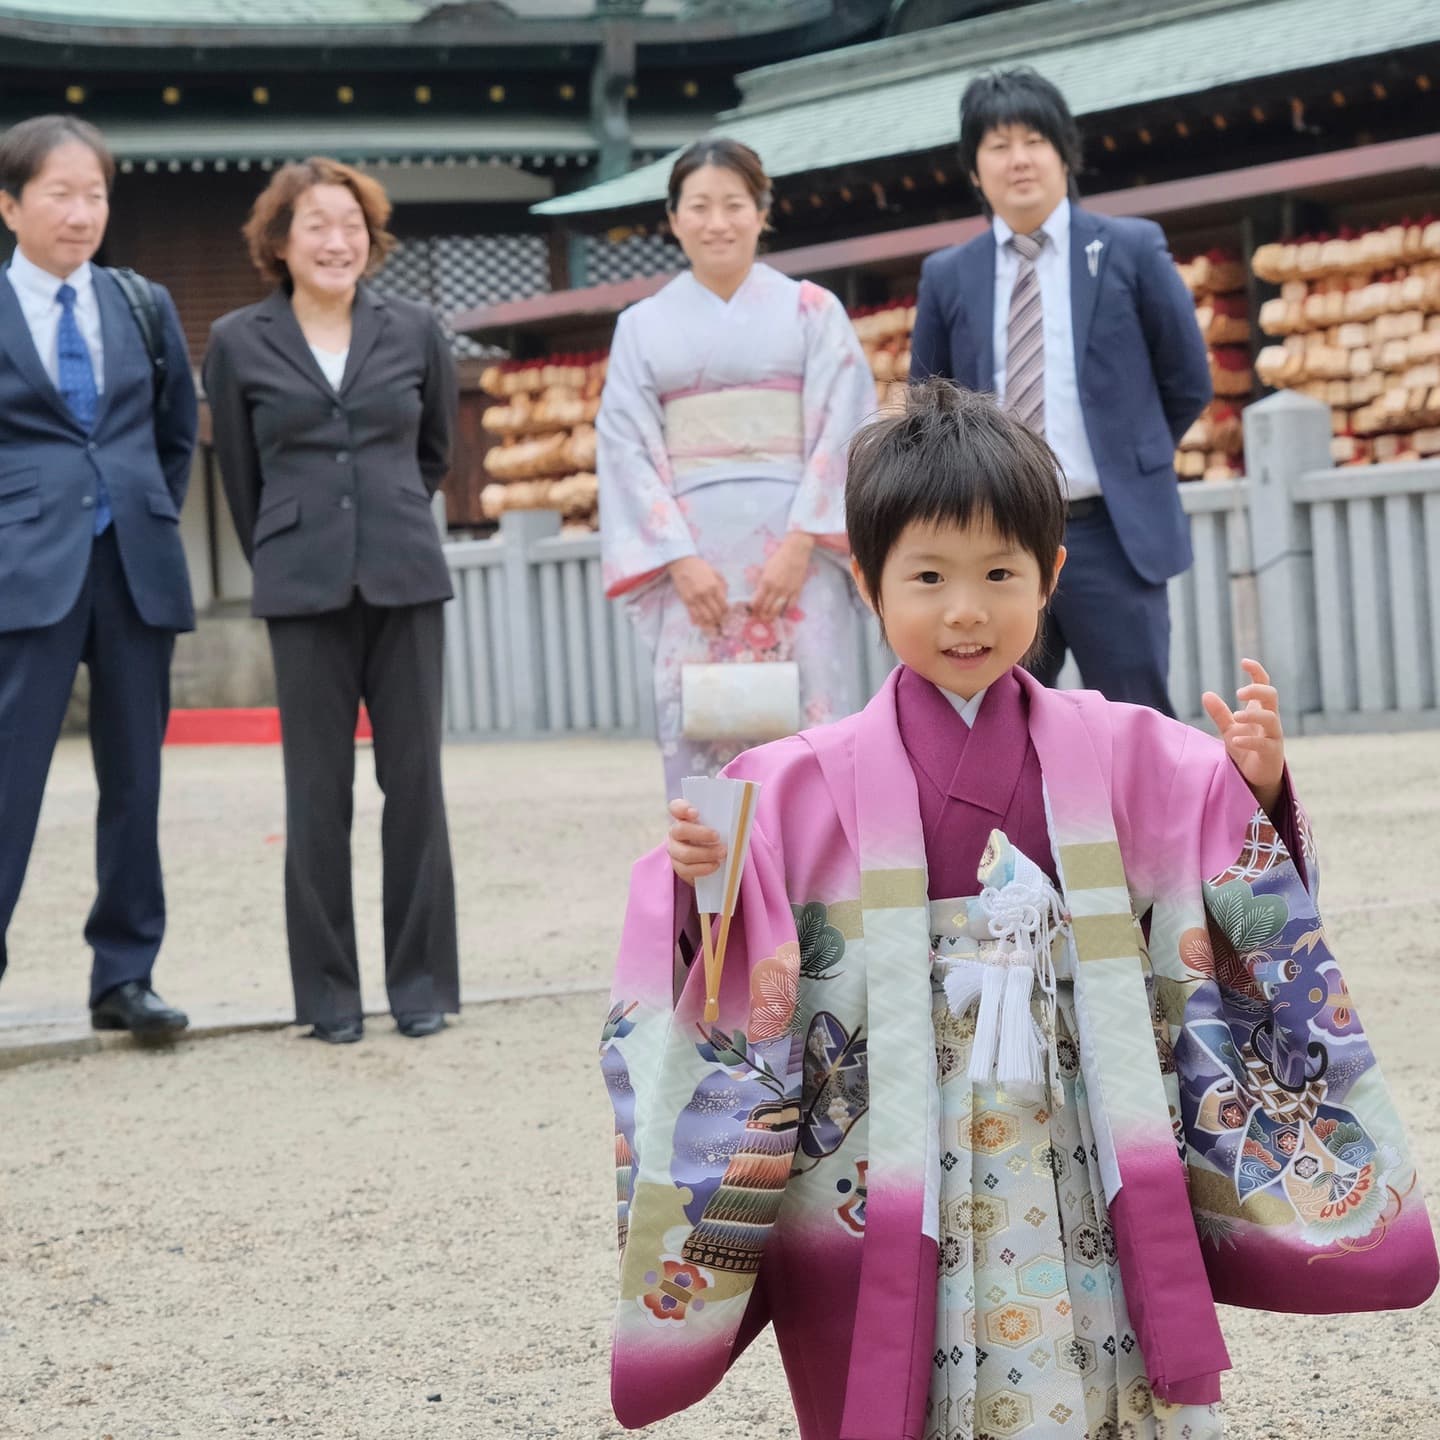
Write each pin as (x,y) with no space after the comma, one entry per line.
(331,363)
(967,710)
(37,290)
(1064,419)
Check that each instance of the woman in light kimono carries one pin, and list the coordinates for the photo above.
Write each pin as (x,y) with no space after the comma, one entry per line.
(730,398)
(983,1150)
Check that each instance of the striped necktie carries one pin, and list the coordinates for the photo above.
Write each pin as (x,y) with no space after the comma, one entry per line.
(1025,343)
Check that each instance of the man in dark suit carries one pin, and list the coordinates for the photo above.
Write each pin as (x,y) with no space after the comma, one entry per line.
(93,468)
(1082,326)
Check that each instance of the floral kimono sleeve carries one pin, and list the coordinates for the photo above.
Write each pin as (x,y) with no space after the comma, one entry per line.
(707,1117)
(1301,1182)
(838,396)
(642,529)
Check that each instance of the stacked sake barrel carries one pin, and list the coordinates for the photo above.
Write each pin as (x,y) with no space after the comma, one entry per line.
(884,332)
(1358,325)
(545,424)
(1213,448)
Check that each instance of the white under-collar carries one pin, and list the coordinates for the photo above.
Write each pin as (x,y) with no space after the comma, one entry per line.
(750,276)
(967,710)
(25,272)
(1056,226)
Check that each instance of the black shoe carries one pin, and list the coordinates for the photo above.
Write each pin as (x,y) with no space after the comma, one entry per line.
(345,1032)
(420,1024)
(135,1007)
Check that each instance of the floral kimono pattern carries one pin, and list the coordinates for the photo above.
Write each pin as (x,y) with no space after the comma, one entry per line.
(789,1163)
(722,428)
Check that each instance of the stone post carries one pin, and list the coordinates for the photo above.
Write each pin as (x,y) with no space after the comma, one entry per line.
(1286,435)
(520,530)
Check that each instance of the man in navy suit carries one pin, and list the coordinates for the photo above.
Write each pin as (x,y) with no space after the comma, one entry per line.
(1081,325)
(94,459)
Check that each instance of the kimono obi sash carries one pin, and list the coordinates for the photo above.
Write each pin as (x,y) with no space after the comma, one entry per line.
(725,432)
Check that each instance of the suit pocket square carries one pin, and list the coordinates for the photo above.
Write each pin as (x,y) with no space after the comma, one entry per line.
(282,515)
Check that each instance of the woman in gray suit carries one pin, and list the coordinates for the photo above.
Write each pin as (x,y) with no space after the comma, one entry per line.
(333,411)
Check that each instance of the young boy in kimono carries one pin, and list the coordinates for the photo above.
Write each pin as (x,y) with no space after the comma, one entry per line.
(984,1148)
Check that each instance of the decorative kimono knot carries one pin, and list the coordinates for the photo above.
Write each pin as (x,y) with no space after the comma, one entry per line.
(1010,1049)
(1018,911)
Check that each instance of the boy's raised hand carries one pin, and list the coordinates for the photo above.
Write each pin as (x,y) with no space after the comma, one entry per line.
(695,850)
(1252,735)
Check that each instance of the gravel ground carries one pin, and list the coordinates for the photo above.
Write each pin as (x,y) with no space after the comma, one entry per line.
(517,814)
(262,1235)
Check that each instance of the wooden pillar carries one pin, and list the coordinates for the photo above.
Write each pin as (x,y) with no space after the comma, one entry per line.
(610,83)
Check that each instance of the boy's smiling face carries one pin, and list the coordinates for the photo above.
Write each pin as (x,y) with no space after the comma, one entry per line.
(960,605)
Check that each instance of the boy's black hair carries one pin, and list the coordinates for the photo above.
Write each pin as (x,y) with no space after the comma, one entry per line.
(954,456)
(1021,96)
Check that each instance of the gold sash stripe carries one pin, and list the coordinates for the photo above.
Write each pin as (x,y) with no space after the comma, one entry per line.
(893,890)
(1093,866)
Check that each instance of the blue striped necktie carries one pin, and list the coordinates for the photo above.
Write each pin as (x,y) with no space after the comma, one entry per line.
(1025,340)
(77,386)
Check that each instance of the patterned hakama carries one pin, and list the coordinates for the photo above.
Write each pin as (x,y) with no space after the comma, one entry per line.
(1032,1338)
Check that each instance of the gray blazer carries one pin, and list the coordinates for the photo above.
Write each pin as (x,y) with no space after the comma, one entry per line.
(331,491)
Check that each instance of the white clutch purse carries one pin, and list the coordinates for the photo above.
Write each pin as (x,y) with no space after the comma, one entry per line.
(743,700)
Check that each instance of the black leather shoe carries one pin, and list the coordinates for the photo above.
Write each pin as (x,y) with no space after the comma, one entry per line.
(135,1007)
(346,1032)
(420,1024)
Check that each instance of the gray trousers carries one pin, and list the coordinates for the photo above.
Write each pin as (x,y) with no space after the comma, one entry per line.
(392,658)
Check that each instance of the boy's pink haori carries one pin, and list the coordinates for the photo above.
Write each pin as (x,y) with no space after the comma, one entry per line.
(772,1167)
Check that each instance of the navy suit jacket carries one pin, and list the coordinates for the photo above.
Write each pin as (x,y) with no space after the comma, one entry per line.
(50,468)
(1140,363)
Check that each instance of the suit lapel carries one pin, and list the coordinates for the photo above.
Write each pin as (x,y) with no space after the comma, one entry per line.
(16,341)
(367,320)
(119,338)
(1089,251)
(978,283)
(275,319)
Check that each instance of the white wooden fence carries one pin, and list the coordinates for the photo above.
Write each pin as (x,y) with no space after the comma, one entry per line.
(1375,545)
(1346,574)
(1332,577)
(532,645)
(534,648)
(1212,608)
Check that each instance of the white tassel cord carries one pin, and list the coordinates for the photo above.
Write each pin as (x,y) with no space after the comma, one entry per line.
(1020,1059)
(963,982)
(1009,1048)
(985,1046)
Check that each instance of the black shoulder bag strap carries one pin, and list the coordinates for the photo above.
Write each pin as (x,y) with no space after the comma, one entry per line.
(139,295)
